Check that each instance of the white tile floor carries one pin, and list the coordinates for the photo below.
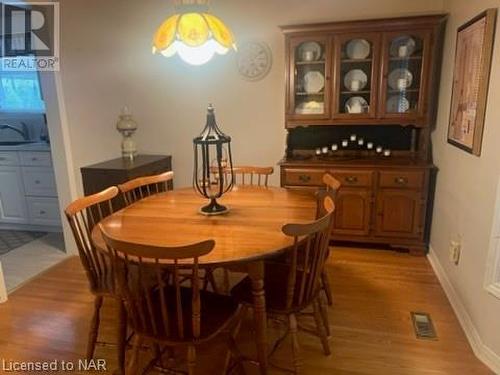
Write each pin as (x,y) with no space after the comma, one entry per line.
(25,262)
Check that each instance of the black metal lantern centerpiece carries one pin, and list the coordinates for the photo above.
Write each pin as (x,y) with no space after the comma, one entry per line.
(213,165)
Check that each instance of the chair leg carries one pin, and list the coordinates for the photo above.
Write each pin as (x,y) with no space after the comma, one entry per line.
(133,365)
(233,350)
(295,343)
(326,287)
(320,327)
(324,315)
(94,327)
(227,284)
(122,337)
(191,360)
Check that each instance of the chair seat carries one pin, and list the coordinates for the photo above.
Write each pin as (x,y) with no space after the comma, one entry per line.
(275,284)
(217,312)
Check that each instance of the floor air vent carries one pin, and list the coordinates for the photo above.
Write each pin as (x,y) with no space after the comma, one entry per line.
(422,323)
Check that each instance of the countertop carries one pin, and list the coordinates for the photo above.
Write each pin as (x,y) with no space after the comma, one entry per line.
(38,146)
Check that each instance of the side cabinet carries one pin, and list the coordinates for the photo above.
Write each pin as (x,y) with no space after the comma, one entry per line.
(384,205)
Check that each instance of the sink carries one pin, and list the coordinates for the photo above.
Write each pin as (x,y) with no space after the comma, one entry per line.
(16,143)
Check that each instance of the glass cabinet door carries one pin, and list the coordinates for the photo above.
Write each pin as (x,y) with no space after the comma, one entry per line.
(309,90)
(404,66)
(356,75)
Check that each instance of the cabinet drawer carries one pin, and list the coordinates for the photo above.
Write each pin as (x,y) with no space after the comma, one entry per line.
(401,179)
(39,181)
(43,211)
(36,159)
(353,177)
(304,177)
(9,158)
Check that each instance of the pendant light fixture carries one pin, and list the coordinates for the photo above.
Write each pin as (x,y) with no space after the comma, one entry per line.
(193,33)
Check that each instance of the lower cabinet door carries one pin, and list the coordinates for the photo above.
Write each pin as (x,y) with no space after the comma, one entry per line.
(12,201)
(44,211)
(399,213)
(352,212)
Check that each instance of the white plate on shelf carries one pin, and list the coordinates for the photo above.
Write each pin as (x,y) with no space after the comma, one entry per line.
(358,49)
(313,47)
(397,104)
(355,75)
(314,82)
(311,107)
(356,105)
(403,40)
(398,74)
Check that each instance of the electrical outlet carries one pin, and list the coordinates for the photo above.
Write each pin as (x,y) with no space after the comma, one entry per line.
(455,249)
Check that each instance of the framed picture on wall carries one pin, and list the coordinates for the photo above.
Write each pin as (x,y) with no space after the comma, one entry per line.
(471,75)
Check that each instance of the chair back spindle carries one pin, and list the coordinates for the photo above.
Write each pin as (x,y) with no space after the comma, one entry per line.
(147,293)
(143,187)
(83,215)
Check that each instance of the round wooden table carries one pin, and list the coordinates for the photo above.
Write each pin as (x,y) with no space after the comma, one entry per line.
(244,237)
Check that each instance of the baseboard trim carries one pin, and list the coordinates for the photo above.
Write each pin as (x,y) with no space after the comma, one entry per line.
(484,353)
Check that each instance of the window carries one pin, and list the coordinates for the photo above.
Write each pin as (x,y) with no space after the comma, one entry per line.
(20,92)
(492,280)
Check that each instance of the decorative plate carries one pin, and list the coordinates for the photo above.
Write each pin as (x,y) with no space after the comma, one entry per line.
(404,40)
(314,82)
(254,60)
(355,75)
(358,49)
(311,107)
(398,104)
(398,74)
(356,104)
(313,47)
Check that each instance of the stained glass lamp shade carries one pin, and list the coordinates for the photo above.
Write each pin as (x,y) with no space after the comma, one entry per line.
(194,34)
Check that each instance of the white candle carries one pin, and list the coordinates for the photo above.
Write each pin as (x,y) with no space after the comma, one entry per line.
(324,150)
(335,147)
(369,145)
(379,149)
(361,141)
(353,137)
(345,143)
(318,151)
(387,152)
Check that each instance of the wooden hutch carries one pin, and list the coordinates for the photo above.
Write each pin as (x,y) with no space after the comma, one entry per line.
(361,100)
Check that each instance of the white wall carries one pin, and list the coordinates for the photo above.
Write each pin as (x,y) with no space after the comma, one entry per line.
(107,63)
(466,187)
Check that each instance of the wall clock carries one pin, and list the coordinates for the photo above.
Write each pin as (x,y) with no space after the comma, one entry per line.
(254,60)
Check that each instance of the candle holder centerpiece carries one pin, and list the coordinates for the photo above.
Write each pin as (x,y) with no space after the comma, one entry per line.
(213,165)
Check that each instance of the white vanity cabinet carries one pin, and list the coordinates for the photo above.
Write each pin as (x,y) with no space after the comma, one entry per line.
(28,194)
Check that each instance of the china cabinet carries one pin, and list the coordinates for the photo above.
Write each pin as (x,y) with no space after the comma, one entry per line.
(361,99)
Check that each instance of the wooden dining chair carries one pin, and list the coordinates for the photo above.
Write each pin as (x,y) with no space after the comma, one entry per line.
(251,175)
(294,286)
(143,187)
(332,185)
(83,215)
(168,314)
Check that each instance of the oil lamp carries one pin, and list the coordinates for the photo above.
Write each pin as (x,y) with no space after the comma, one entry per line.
(213,165)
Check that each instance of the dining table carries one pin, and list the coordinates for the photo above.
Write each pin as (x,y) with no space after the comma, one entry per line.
(245,237)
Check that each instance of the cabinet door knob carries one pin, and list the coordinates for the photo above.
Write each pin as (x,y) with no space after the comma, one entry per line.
(34,159)
(351,179)
(42,212)
(37,182)
(3,159)
(304,178)
(401,180)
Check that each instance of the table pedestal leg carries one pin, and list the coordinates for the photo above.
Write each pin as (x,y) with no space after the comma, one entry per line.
(256,273)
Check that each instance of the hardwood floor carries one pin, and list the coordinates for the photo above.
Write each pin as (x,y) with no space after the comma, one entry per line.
(374,292)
